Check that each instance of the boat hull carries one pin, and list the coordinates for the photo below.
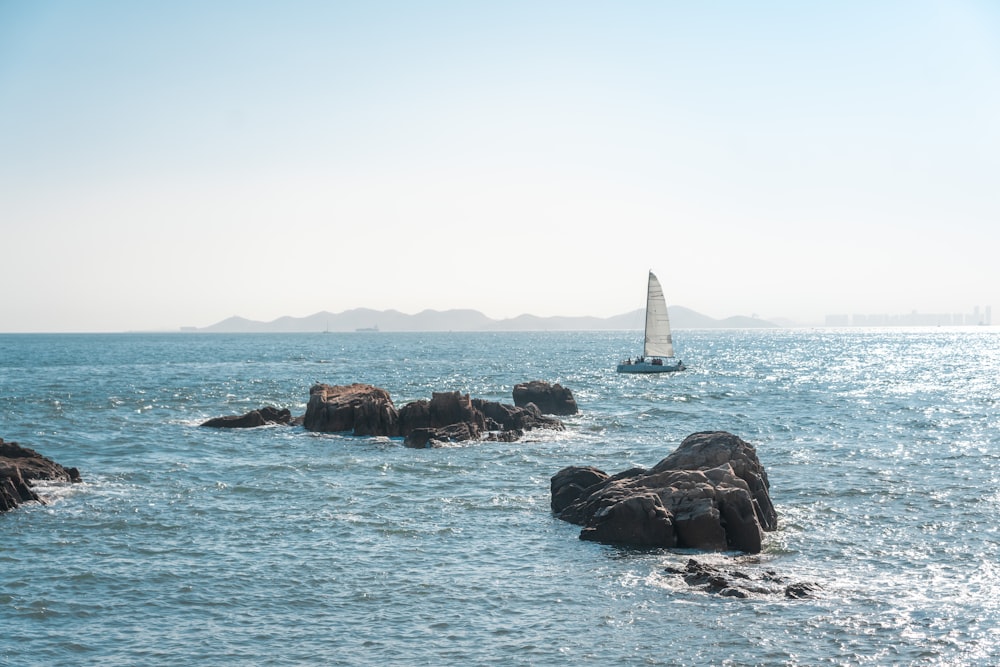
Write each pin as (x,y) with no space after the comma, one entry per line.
(648,367)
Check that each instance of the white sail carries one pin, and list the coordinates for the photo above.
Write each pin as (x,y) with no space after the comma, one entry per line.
(658,342)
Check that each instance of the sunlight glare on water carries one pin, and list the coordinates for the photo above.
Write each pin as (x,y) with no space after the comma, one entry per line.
(282,547)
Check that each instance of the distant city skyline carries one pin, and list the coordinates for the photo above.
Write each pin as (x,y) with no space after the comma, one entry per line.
(172,164)
(914,318)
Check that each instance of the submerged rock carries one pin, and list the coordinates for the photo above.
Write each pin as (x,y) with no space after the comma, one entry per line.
(711,494)
(262,417)
(741,583)
(19,467)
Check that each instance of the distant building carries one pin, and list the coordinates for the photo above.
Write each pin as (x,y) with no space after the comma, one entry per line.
(838,320)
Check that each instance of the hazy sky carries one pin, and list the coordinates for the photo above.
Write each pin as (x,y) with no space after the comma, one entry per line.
(175,163)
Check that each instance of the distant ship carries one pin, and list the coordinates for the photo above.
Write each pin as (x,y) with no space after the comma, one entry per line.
(374,328)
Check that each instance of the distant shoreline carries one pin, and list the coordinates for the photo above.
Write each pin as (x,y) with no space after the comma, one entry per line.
(364,320)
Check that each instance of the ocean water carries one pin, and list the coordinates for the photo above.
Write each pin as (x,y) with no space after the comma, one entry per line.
(275,546)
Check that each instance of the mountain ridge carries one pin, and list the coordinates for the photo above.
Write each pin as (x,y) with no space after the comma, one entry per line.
(471,320)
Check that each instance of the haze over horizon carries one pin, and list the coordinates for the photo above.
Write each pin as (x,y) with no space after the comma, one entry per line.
(174,164)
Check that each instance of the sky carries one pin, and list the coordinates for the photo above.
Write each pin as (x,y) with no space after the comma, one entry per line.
(174,164)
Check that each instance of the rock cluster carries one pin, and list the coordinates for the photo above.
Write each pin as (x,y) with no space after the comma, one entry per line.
(19,467)
(740,583)
(447,417)
(365,410)
(711,494)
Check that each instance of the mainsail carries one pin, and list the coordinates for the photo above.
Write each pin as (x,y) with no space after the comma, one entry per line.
(658,342)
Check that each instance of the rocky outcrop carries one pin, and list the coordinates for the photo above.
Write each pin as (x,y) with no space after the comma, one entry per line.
(19,467)
(262,417)
(711,493)
(551,399)
(447,417)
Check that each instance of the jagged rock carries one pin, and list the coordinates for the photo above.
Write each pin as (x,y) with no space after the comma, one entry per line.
(698,497)
(262,417)
(19,467)
(551,399)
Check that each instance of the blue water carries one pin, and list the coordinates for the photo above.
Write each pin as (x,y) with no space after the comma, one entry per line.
(276,546)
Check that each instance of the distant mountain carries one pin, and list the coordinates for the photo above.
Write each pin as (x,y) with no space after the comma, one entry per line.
(471,320)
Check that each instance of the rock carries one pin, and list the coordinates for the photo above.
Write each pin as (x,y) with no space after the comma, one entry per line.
(19,467)
(801,590)
(550,399)
(437,437)
(639,520)
(698,498)
(447,408)
(569,484)
(14,490)
(699,522)
(262,417)
(361,408)
(510,435)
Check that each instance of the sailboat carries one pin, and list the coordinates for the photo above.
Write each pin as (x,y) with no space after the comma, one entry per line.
(658,346)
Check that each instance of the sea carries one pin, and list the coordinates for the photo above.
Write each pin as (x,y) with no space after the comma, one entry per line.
(185,545)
